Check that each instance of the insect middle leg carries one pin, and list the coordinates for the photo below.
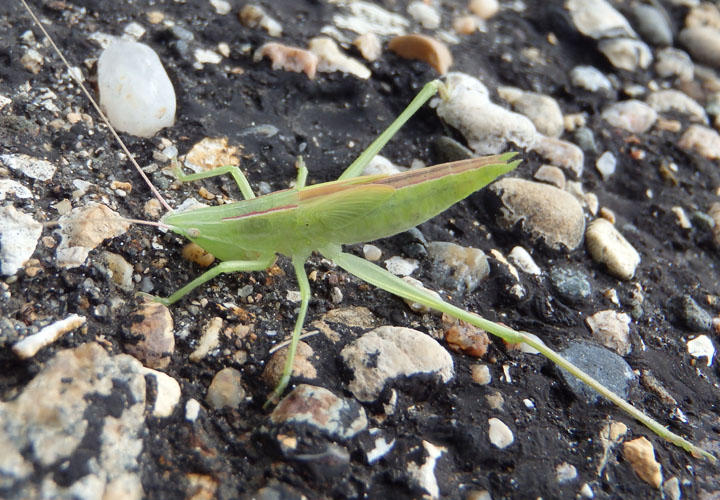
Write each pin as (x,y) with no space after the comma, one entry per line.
(229,266)
(236,173)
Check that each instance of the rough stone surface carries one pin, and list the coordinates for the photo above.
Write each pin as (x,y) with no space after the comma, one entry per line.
(641,456)
(703,43)
(560,153)
(607,246)
(631,115)
(389,352)
(626,53)
(611,329)
(598,19)
(703,140)
(152,334)
(544,211)
(458,268)
(19,234)
(226,389)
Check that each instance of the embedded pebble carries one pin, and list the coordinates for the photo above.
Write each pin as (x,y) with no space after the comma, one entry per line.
(499,433)
(465,25)
(423,475)
(456,267)
(34,168)
(671,488)
(551,175)
(371,252)
(585,138)
(364,17)
(641,456)
(209,340)
(598,19)
(369,46)
(466,338)
(253,16)
(703,44)
(32,61)
(542,109)
(600,363)
(705,141)
(84,407)
(210,153)
(703,14)
(9,187)
(611,329)
(570,284)
(121,271)
(544,211)
(30,345)
(221,6)
(607,246)
(487,127)
(401,266)
(652,23)
(226,389)
(523,260)
(606,165)
(481,374)
(667,100)
(19,234)
(626,53)
(395,352)
(702,347)
(692,315)
(302,365)
(424,48)
(565,472)
(168,393)
(339,418)
(206,56)
(288,58)
(560,153)
(331,58)
(135,91)
(672,62)
(425,14)
(484,9)
(381,165)
(590,78)
(192,410)
(631,115)
(152,335)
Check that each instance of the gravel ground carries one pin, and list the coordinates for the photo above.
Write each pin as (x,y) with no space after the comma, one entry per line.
(134,401)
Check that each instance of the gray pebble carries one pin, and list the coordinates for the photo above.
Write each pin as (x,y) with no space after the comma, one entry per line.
(652,24)
(458,268)
(560,153)
(448,149)
(692,315)
(585,138)
(571,285)
(664,101)
(602,364)
(626,53)
(672,62)
(703,43)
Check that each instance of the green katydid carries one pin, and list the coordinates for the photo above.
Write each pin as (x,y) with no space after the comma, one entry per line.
(248,235)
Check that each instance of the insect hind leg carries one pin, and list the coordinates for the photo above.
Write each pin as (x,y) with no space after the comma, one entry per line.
(233,170)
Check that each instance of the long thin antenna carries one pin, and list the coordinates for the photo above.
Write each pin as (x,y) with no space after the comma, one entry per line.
(97,108)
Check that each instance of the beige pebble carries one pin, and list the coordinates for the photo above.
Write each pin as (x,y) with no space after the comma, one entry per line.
(552,175)
(481,374)
(302,365)
(210,153)
(369,46)
(641,455)
(424,48)
(152,326)
(225,389)
(703,140)
(155,17)
(607,246)
(485,9)
(465,25)
(288,58)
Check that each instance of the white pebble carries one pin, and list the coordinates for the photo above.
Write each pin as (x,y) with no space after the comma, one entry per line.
(34,168)
(371,252)
(168,393)
(19,234)
(135,90)
(606,165)
(702,347)
(9,187)
(221,6)
(607,246)
(425,14)
(565,472)
(500,434)
(29,346)
(400,266)
(522,259)
(590,78)
(192,410)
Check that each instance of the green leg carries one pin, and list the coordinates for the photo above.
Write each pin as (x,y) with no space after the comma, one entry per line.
(381,278)
(299,265)
(356,167)
(236,173)
(230,266)
(302,173)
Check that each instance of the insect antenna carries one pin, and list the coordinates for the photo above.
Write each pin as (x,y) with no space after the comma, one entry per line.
(95,105)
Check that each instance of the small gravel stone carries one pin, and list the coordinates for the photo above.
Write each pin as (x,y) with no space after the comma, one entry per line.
(672,62)
(551,175)
(458,268)
(395,352)
(692,315)
(544,211)
(369,46)
(288,58)
(570,284)
(611,329)
(542,109)
(302,365)
(423,475)
(565,473)
(487,127)
(253,16)
(560,153)
(499,433)
(168,393)
(372,253)
(9,187)
(484,9)
(632,115)
(602,364)
(671,488)
(331,58)
(427,15)
(448,149)
(226,389)
(153,337)
(481,374)
(590,78)
(598,19)
(705,141)
(19,234)
(34,168)
(652,23)
(523,260)
(135,90)
(339,418)
(400,266)
(606,165)
(466,338)
(607,246)
(702,347)
(585,138)
(209,340)
(703,44)
(669,100)
(626,53)
(120,270)
(641,456)
(425,48)
(30,345)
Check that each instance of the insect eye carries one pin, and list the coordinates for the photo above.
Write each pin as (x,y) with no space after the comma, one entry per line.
(193,232)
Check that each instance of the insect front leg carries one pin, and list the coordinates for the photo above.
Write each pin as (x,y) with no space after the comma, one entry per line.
(229,266)
(236,173)
(304,284)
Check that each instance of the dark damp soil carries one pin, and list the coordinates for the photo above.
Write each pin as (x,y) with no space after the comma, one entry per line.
(329,120)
